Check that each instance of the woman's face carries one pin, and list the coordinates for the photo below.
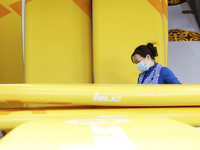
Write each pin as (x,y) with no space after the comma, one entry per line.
(137,59)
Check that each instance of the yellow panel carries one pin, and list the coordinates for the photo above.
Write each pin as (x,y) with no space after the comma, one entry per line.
(97,94)
(119,27)
(165,21)
(11,65)
(95,133)
(58,41)
(11,118)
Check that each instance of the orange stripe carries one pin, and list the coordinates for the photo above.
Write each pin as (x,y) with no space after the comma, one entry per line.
(165,7)
(17,7)
(6,112)
(28,1)
(59,102)
(157,5)
(13,101)
(3,11)
(85,6)
(35,111)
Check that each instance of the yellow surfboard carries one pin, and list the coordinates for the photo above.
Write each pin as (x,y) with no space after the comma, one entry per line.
(97,94)
(11,118)
(94,133)
(120,27)
(165,29)
(58,45)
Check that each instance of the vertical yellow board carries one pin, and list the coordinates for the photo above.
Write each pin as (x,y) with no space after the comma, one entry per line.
(58,45)
(11,62)
(165,30)
(120,27)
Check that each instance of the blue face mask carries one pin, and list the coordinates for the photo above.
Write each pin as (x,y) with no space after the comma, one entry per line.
(142,67)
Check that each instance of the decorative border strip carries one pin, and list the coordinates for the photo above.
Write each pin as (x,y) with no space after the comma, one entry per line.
(175,2)
(183,35)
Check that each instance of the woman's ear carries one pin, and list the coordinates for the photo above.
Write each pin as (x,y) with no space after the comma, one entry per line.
(148,57)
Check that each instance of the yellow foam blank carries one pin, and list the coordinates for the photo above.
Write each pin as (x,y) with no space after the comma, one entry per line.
(57,42)
(165,23)
(11,65)
(119,27)
(134,133)
(97,94)
(11,118)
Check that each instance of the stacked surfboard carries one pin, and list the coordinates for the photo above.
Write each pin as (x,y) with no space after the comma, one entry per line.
(79,97)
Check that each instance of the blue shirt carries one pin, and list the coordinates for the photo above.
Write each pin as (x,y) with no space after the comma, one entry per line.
(166,76)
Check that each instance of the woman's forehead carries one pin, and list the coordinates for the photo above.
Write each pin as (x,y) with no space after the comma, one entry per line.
(137,56)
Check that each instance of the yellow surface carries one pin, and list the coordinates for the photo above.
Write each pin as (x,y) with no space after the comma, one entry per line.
(33,105)
(11,118)
(120,27)
(165,23)
(109,95)
(58,45)
(94,133)
(11,66)
(11,105)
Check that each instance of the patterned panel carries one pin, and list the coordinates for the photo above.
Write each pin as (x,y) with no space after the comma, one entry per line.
(175,2)
(183,35)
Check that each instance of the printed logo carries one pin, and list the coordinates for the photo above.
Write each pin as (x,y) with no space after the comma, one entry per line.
(106,137)
(105,98)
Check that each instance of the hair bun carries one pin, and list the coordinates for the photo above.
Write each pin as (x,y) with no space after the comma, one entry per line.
(153,49)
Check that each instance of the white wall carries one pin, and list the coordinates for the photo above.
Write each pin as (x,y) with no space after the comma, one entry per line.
(184,61)
(184,56)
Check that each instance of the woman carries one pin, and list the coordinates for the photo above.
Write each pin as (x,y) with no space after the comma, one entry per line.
(152,72)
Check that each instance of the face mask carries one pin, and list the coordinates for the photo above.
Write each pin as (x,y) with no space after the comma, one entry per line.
(142,67)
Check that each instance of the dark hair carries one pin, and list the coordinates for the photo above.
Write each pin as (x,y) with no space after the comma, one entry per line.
(143,50)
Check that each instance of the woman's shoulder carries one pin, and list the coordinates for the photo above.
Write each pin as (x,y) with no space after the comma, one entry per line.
(165,70)
(168,76)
